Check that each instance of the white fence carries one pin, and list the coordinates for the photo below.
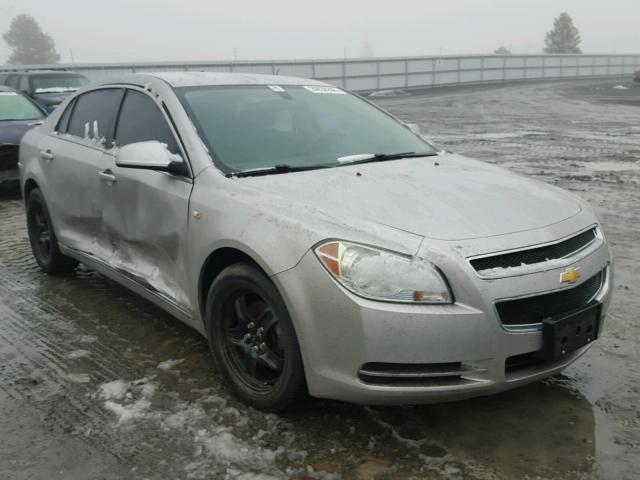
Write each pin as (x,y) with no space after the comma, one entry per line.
(369,74)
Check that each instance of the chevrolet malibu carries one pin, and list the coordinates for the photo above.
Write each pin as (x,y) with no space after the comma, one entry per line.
(321,245)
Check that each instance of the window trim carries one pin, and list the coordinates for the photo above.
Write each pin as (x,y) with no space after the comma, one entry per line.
(164,112)
(70,107)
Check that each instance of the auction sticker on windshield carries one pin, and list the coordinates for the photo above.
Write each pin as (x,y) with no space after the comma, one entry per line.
(317,89)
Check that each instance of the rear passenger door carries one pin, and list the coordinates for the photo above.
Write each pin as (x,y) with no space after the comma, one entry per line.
(70,160)
(146,212)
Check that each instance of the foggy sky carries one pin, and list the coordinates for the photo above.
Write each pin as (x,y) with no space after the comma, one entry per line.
(171,30)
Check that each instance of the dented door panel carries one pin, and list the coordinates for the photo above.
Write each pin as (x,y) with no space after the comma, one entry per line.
(144,222)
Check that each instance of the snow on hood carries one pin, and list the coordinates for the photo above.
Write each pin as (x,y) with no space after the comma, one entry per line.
(448,197)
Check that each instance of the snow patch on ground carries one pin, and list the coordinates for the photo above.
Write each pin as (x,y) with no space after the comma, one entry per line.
(113,390)
(612,166)
(389,93)
(78,354)
(87,338)
(127,400)
(508,135)
(79,377)
(620,87)
(169,364)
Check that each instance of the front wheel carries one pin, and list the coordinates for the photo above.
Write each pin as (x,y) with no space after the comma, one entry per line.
(44,244)
(253,340)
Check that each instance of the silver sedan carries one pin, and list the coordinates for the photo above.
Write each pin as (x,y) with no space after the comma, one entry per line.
(320,244)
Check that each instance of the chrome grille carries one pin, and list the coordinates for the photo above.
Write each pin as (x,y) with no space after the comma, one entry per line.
(535,255)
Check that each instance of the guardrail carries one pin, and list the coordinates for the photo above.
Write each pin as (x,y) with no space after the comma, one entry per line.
(370,74)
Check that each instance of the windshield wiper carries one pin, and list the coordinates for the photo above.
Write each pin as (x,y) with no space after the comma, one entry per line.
(380,157)
(276,169)
(347,160)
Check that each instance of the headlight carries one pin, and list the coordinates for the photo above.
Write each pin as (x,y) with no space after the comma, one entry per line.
(382,275)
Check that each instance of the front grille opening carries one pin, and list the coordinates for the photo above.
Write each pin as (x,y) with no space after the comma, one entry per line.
(414,374)
(536,255)
(533,310)
(522,361)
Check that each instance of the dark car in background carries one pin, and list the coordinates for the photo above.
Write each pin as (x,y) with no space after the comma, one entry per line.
(18,113)
(47,87)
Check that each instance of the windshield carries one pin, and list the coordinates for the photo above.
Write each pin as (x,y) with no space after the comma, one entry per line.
(260,126)
(15,107)
(57,83)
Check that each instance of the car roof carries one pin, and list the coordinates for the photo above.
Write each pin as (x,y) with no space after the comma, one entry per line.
(193,79)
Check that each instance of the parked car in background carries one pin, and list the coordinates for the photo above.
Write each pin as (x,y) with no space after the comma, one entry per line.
(18,113)
(318,242)
(47,87)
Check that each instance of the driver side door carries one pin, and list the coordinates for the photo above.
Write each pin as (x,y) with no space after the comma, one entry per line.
(146,212)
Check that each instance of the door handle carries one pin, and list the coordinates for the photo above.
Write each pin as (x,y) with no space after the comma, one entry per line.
(107,176)
(46,155)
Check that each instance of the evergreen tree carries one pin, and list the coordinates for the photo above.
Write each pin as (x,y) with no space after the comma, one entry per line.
(29,44)
(502,51)
(564,37)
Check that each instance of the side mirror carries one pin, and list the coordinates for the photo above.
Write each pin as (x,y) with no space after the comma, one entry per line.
(151,155)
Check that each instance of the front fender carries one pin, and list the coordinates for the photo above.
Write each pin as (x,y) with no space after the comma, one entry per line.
(275,232)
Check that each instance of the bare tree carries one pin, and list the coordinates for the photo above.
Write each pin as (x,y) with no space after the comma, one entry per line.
(564,37)
(29,44)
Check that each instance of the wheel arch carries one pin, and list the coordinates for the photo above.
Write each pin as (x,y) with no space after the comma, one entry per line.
(29,185)
(215,263)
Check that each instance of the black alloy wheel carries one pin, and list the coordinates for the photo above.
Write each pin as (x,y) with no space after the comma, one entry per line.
(42,237)
(253,340)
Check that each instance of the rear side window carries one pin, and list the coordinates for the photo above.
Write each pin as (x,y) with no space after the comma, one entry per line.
(94,114)
(141,120)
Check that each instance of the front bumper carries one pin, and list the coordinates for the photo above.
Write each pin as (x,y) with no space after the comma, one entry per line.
(464,346)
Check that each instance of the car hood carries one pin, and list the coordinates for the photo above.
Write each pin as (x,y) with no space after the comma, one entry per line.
(448,197)
(12,132)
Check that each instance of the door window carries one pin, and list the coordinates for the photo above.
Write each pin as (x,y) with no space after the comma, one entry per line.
(94,114)
(140,120)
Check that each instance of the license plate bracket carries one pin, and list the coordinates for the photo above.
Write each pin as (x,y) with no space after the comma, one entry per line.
(567,333)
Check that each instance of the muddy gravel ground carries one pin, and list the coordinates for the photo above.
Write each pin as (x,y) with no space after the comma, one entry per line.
(96,383)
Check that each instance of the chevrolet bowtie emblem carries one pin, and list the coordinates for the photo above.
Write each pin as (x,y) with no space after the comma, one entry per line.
(570,275)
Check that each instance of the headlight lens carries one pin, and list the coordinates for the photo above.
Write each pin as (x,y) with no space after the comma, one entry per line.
(382,275)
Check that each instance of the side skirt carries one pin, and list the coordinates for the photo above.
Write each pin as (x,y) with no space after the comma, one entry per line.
(136,285)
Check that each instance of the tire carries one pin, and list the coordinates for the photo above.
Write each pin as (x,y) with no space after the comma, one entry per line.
(42,237)
(263,368)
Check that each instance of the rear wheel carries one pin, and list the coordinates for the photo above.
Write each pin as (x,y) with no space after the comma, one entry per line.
(44,244)
(253,340)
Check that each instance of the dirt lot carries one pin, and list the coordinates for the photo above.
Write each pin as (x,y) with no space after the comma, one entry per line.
(96,383)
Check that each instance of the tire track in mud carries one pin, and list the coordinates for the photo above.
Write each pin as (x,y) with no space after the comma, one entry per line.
(39,331)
